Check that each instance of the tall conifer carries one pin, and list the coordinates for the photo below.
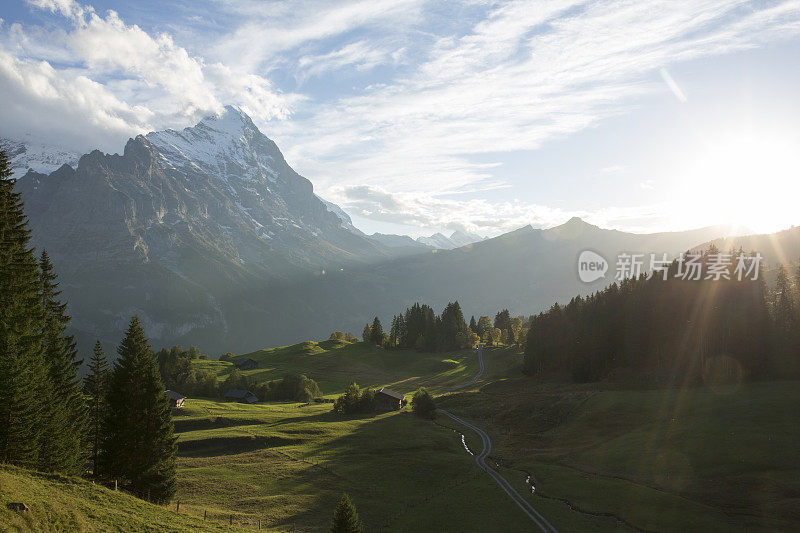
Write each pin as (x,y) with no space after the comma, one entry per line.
(63,424)
(20,331)
(96,389)
(138,444)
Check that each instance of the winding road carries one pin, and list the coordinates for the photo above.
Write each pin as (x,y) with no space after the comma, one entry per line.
(480,459)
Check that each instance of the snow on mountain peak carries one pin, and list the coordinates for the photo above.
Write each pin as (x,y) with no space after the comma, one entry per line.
(29,153)
(224,144)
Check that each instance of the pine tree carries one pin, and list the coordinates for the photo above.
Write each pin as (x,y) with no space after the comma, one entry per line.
(376,332)
(63,424)
(96,388)
(138,446)
(345,517)
(473,326)
(21,376)
(366,334)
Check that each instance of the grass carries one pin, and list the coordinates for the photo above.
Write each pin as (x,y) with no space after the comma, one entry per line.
(287,464)
(59,503)
(334,364)
(602,456)
(711,459)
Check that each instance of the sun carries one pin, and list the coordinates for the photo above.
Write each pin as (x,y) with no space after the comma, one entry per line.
(748,179)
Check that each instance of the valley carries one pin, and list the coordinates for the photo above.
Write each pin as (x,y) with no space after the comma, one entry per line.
(602,456)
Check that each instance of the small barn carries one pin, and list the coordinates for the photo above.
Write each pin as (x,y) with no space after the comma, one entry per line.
(175,398)
(245,364)
(241,396)
(388,400)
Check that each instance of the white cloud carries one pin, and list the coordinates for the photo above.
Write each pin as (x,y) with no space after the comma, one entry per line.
(272,28)
(122,79)
(520,78)
(72,108)
(360,55)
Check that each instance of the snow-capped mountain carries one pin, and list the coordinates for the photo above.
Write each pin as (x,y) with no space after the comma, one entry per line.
(29,154)
(181,224)
(456,240)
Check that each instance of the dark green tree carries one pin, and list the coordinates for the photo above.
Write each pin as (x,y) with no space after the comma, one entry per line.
(138,446)
(96,385)
(502,320)
(376,332)
(366,334)
(473,326)
(484,323)
(21,317)
(452,323)
(345,517)
(63,423)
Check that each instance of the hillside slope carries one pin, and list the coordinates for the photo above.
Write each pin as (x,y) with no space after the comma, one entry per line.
(59,503)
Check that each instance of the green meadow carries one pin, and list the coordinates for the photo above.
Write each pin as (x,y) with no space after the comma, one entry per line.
(602,456)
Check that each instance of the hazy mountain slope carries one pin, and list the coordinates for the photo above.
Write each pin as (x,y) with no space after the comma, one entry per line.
(778,248)
(525,270)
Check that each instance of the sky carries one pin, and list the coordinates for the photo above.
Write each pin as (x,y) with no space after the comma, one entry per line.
(422,116)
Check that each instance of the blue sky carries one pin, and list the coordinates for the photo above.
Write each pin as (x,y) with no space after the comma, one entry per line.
(418,116)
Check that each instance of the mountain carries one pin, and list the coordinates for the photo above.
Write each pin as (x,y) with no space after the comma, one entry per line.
(29,154)
(347,222)
(181,227)
(213,239)
(525,270)
(781,248)
(398,241)
(456,240)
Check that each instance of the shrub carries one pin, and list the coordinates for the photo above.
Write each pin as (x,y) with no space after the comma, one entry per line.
(297,387)
(422,404)
(354,400)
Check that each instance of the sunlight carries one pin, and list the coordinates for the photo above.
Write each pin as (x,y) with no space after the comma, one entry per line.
(750,180)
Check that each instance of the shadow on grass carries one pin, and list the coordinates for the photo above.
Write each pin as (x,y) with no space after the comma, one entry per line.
(196,424)
(216,446)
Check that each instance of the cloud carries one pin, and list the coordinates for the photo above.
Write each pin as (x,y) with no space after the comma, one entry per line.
(273,28)
(123,79)
(360,55)
(437,214)
(517,79)
(71,108)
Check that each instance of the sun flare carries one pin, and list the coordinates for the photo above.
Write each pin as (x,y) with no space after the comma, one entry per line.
(749,180)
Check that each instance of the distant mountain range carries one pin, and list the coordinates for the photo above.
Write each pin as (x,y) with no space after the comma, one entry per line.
(213,239)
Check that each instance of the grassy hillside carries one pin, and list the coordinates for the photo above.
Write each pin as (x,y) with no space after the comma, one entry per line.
(712,459)
(288,463)
(59,503)
(334,364)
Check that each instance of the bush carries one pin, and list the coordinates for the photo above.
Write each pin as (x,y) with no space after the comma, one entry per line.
(354,400)
(295,387)
(422,404)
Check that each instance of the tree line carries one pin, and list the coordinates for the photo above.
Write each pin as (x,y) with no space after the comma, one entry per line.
(672,330)
(117,423)
(420,328)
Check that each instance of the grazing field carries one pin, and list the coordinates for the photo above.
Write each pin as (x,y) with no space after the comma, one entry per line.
(711,459)
(334,364)
(287,464)
(58,503)
(602,456)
